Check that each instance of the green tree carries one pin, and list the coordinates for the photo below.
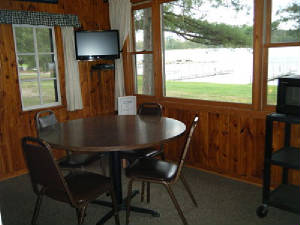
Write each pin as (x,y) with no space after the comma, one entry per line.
(25,44)
(289,15)
(203,32)
(142,23)
(187,19)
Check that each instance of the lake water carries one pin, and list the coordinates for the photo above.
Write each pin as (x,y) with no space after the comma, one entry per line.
(220,65)
(225,65)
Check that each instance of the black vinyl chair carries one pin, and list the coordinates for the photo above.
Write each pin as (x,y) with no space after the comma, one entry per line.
(150,108)
(161,172)
(77,189)
(46,118)
(145,109)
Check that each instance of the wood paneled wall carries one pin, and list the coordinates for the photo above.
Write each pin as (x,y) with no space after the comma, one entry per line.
(97,88)
(230,142)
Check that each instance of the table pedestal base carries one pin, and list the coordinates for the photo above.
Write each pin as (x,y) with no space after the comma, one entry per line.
(121,207)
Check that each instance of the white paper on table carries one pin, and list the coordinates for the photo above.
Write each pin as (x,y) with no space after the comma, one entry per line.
(127,105)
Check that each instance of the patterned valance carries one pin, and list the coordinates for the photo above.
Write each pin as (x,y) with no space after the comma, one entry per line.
(38,18)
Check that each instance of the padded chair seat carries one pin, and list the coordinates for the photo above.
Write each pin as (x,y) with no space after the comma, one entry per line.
(151,168)
(83,186)
(133,155)
(76,160)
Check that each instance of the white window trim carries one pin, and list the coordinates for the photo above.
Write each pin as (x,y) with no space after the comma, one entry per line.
(38,67)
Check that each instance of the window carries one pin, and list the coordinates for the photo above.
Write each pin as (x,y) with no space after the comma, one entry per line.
(220,51)
(282,44)
(142,55)
(208,57)
(37,67)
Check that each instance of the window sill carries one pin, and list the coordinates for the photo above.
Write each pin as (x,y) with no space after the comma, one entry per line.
(46,107)
(208,106)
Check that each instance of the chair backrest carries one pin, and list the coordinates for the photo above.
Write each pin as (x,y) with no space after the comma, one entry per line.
(150,108)
(186,147)
(44,119)
(43,169)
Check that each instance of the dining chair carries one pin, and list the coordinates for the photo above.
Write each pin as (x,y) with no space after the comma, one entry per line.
(150,108)
(146,109)
(46,118)
(161,172)
(77,189)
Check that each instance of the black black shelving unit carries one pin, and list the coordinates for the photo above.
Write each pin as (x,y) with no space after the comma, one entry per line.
(285,196)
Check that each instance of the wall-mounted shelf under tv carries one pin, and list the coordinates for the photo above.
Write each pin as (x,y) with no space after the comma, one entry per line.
(103,67)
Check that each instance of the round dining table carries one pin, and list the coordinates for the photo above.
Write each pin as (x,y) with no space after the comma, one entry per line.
(112,134)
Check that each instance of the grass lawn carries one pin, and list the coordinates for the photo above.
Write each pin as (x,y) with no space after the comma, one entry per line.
(30,94)
(239,93)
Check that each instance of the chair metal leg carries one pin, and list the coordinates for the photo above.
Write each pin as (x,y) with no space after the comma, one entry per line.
(142,191)
(37,209)
(148,192)
(103,165)
(176,203)
(128,200)
(115,207)
(187,187)
(81,213)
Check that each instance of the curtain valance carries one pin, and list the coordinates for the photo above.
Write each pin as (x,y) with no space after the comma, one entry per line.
(38,18)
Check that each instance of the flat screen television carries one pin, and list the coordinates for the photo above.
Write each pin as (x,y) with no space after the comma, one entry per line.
(93,45)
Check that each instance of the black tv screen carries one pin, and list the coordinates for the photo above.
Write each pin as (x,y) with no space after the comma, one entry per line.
(93,45)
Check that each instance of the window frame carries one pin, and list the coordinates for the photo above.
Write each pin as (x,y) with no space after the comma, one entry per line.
(255,70)
(267,44)
(262,20)
(39,79)
(134,53)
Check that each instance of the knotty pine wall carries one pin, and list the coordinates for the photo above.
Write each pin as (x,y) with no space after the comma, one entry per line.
(227,141)
(97,89)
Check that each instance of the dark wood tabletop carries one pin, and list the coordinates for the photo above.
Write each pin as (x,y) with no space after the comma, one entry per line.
(112,133)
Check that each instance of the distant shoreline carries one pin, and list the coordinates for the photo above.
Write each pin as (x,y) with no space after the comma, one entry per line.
(221,65)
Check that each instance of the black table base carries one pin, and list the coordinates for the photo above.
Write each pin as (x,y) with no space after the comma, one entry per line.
(115,171)
(121,207)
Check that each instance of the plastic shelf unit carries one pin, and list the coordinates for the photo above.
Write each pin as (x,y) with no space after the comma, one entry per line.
(285,196)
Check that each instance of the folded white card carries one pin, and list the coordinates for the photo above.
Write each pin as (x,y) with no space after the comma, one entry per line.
(127,105)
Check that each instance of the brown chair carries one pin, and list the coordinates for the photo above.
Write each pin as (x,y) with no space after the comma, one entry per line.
(146,109)
(157,171)
(46,118)
(150,108)
(77,189)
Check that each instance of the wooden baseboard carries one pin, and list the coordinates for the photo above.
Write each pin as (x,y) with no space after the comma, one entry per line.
(226,176)
(15,174)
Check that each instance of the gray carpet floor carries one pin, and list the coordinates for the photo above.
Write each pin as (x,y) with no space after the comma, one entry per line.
(222,201)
